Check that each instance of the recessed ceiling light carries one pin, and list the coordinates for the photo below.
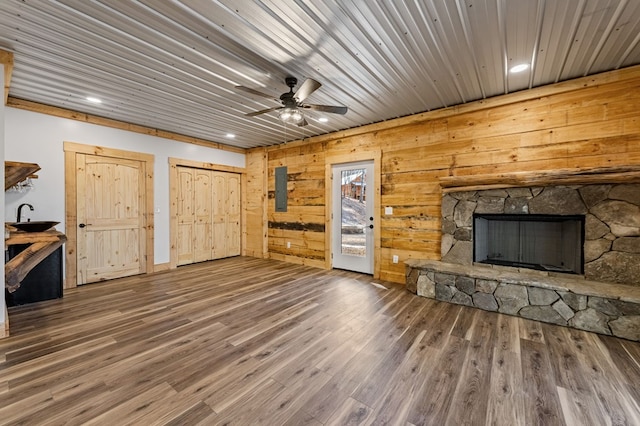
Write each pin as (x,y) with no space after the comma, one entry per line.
(323,119)
(519,68)
(93,100)
(231,135)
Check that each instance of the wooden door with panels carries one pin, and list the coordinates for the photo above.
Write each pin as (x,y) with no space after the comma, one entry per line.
(108,202)
(185,215)
(202,213)
(208,211)
(226,214)
(110,220)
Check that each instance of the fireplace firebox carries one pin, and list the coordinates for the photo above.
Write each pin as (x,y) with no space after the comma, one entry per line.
(542,242)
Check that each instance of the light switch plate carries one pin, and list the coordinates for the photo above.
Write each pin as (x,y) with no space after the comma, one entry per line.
(388,210)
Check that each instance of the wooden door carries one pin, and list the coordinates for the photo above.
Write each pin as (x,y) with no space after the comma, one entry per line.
(185,215)
(111,218)
(234,211)
(226,214)
(202,215)
(219,215)
(208,215)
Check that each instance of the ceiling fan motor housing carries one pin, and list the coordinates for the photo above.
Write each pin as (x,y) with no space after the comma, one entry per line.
(291,82)
(288,100)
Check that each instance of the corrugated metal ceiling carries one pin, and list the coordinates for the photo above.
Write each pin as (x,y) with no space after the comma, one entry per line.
(173,65)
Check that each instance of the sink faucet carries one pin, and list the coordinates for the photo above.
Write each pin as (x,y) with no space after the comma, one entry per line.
(20,210)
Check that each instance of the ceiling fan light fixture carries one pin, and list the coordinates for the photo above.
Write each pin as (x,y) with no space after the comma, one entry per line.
(291,115)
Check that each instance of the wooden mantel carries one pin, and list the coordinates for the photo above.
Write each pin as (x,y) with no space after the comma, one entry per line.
(599,175)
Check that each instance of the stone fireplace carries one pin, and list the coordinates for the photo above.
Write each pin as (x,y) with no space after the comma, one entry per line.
(591,281)
(611,248)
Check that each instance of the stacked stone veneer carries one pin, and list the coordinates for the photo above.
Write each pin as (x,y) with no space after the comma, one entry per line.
(612,223)
(611,309)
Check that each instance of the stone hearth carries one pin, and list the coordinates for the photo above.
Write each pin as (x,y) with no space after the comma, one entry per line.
(567,300)
(612,223)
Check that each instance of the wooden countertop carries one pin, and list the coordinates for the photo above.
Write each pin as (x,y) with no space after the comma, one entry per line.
(21,237)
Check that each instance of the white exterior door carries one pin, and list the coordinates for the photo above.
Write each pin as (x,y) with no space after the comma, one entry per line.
(352,220)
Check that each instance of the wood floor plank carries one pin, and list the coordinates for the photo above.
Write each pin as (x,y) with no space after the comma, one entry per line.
(470,398)
(394,403)
(508,334)
(347,380)
(257,341)
(246,408)
(611,390)
(579,408)
(506,396)
(530,330)
(413,324)
(292,399)
(568,372)
(351,412)
(443,319)
(432,402)
(190,416)
(542,406)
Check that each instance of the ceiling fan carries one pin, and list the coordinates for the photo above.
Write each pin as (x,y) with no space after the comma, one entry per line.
(292,102)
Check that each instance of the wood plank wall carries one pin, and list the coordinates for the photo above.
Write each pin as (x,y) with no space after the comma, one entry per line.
(583,123)
(303,223)
(254,237)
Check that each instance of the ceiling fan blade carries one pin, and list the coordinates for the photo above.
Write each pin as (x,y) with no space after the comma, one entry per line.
(262,111)
(327,108)
(308,87)
(255,92)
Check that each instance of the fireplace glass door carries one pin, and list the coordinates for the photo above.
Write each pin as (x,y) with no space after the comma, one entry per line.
(544,242)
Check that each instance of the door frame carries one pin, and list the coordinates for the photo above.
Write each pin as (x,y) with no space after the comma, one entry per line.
(174,163)
(71,149)
(353,157)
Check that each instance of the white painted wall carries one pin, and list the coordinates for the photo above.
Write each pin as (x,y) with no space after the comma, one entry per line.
(38,138)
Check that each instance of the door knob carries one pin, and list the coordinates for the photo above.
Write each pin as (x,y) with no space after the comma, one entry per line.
(370,226)
(82,225)
(371,218)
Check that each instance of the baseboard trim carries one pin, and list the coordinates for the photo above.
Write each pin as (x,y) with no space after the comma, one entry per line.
(161,267)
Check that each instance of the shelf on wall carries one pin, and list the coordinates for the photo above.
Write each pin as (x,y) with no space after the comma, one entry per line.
(15,172)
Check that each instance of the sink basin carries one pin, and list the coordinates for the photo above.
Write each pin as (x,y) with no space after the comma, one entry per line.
(35,226)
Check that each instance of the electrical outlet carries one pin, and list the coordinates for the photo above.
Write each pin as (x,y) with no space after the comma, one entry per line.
(395,258)
(288,244)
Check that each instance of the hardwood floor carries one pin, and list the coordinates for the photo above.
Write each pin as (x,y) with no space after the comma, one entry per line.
(252,341)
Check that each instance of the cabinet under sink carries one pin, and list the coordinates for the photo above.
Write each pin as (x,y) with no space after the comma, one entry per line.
(43,282)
